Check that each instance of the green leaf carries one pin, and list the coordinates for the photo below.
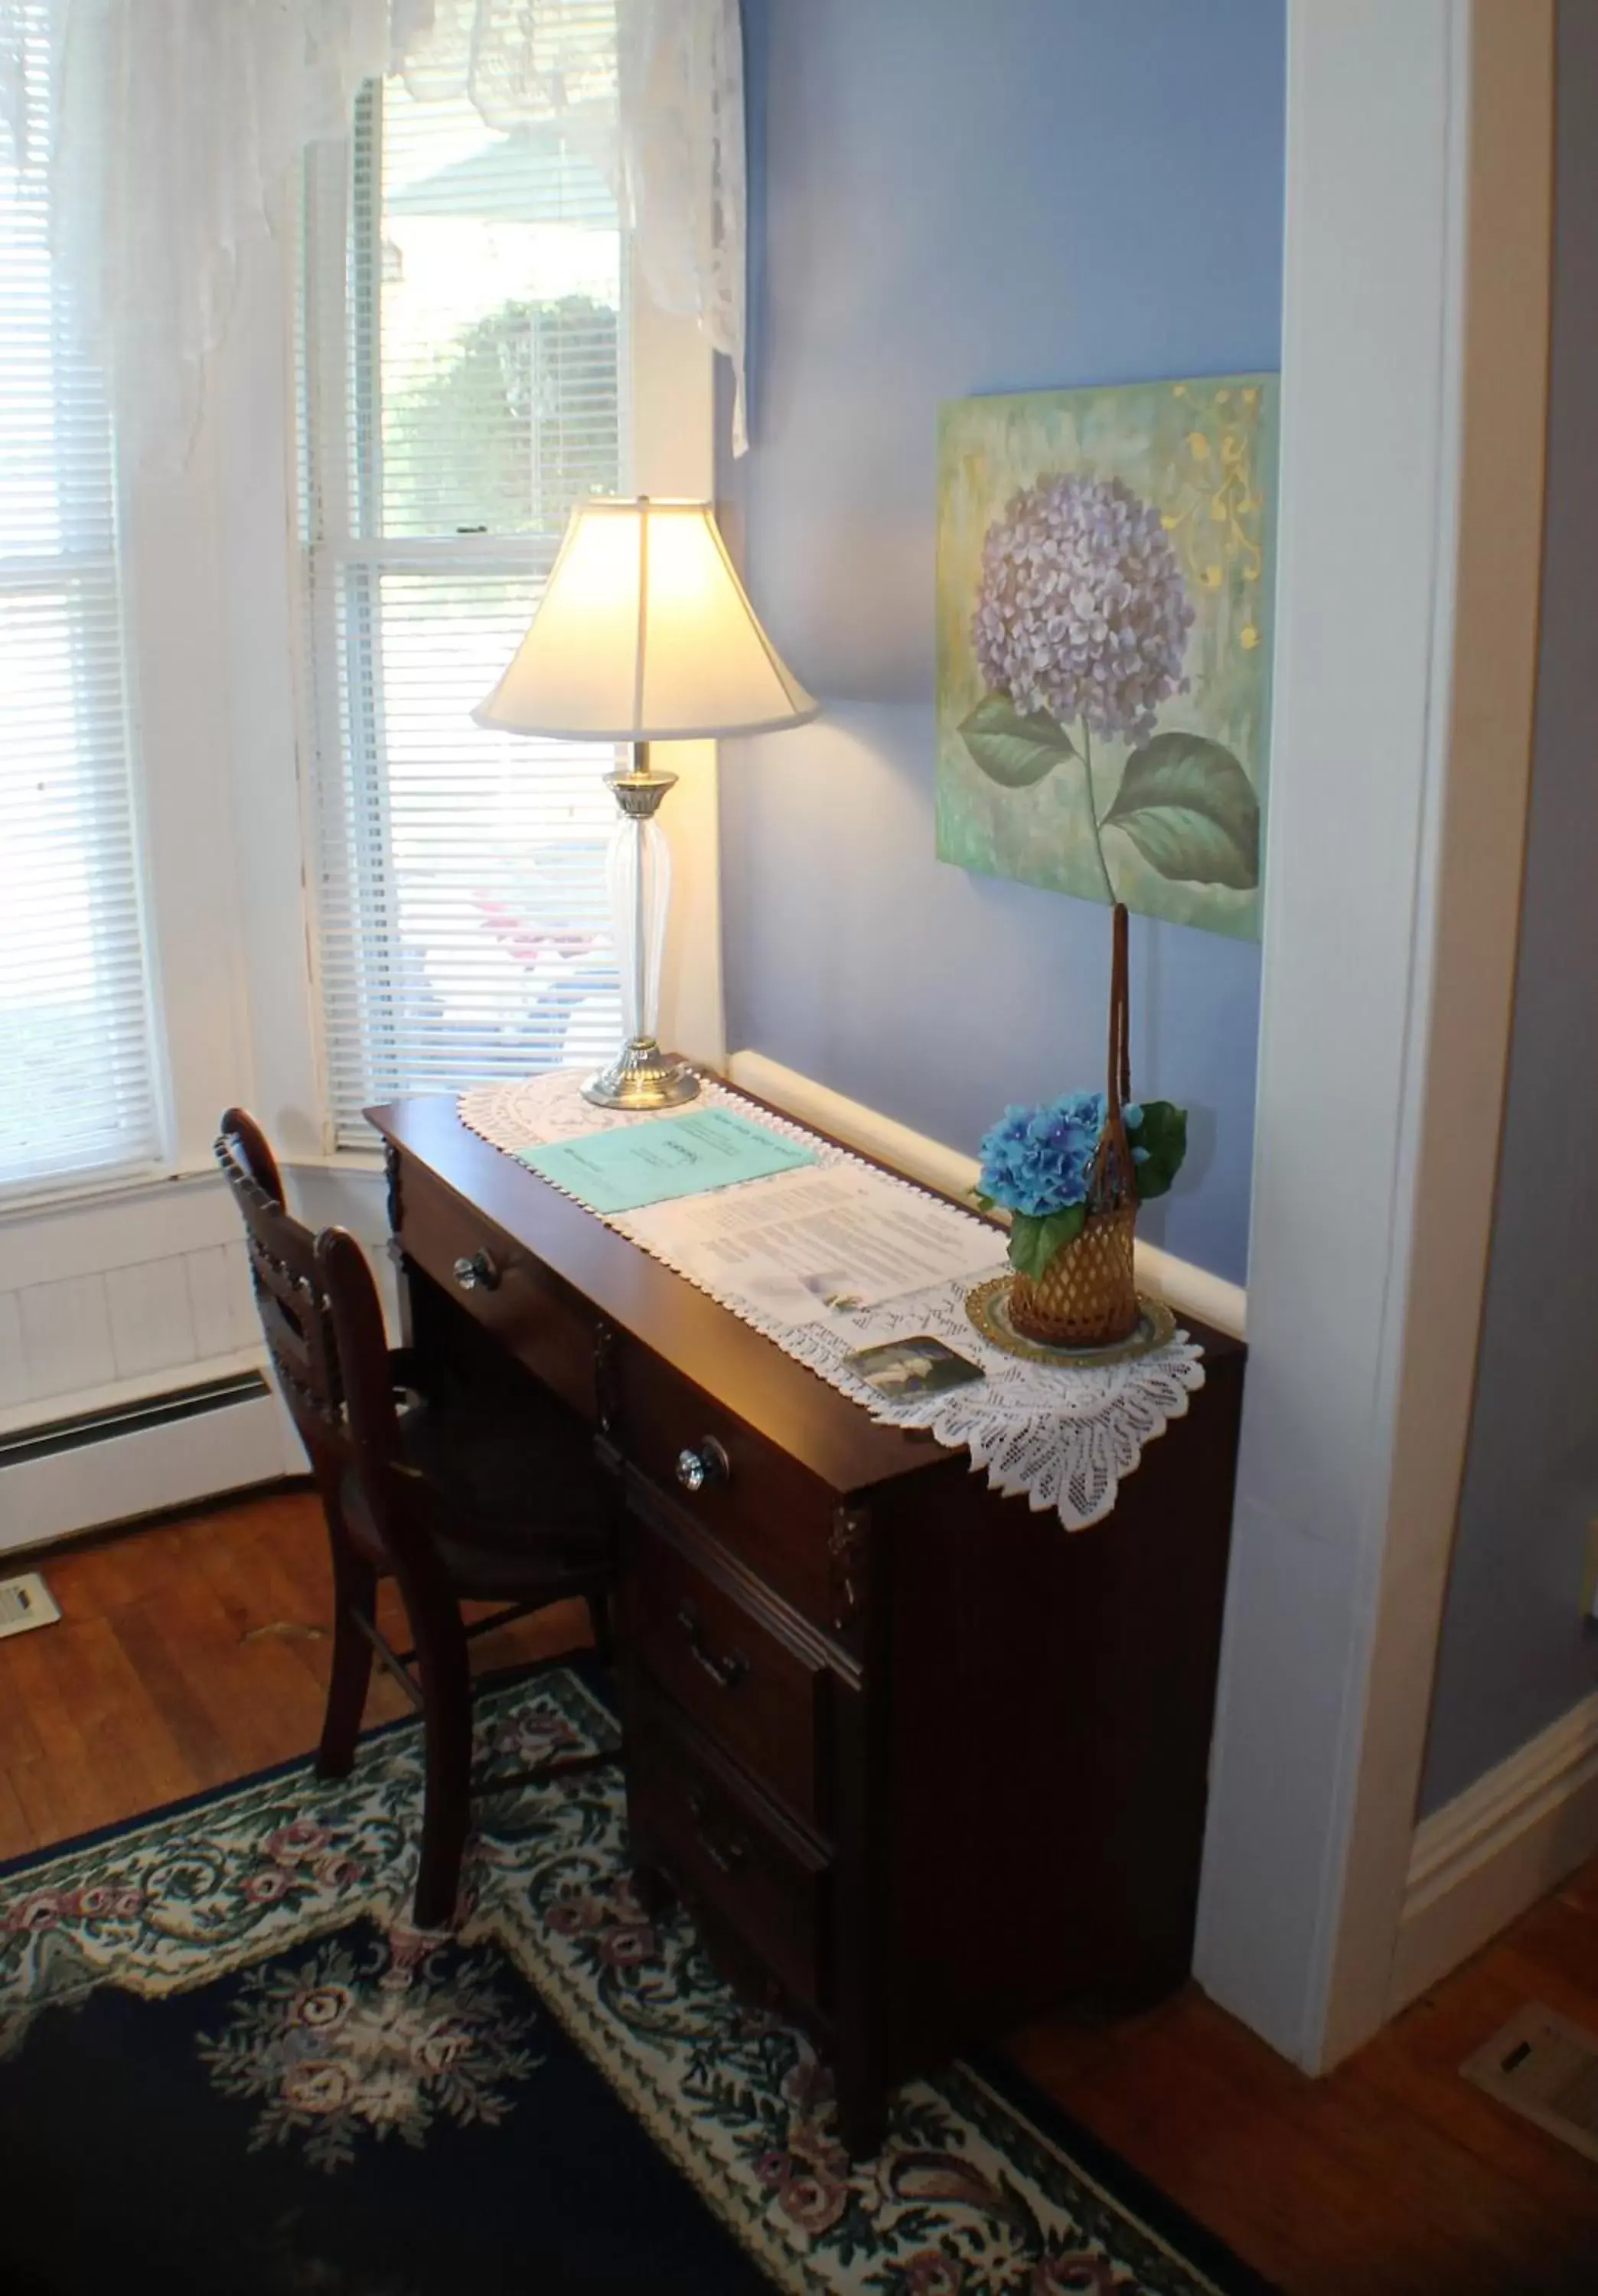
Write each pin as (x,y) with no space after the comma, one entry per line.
(1013,750)
(1163,1132)
(1191,811)
(1035,1238)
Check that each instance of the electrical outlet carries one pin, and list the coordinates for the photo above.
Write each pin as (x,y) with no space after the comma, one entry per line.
(1589,1576)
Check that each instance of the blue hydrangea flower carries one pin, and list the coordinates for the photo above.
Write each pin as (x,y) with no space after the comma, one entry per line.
(1082,610)
(1037,1159)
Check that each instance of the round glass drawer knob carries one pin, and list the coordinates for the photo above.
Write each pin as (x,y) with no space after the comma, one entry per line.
(698,1471)
(476,1272)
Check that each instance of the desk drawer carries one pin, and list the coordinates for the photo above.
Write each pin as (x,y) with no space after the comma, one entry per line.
(530,1312)
(767,1510)
(691,1816)
(741,1665)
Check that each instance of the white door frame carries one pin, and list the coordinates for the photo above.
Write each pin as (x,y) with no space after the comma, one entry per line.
(1420,150)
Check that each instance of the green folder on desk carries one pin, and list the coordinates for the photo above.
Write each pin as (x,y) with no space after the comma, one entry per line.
(660,1156)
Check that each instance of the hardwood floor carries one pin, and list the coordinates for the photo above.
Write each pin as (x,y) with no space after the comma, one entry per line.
(196,1650)
(189,1653)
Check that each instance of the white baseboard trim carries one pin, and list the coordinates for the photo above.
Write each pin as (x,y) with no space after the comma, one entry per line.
(145,1471)
(1496,1849)
(1192,1289)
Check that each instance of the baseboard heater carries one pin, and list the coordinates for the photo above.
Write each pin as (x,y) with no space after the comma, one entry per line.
(55,1436)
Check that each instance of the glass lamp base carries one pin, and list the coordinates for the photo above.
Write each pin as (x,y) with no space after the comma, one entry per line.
(644,1076)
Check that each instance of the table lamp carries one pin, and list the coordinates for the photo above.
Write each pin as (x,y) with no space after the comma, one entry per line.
(644,634)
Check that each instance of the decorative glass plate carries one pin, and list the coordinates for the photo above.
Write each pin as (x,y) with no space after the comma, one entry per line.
(988,1307)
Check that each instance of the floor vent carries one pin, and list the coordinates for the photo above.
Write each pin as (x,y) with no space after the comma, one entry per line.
(26,1602)
(1545,2069)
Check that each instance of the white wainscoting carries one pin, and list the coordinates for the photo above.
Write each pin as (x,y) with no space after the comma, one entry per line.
(134,1294)
(118,1298)
(1494,1850)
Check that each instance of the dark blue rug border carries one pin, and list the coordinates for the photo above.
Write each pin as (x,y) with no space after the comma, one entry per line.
(1192,2242)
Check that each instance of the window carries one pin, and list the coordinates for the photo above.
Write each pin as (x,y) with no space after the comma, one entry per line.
(462,346)
(78,1093)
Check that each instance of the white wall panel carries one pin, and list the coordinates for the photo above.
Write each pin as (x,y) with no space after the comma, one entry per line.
(67,1335)
(14,1363)
(93,1339)
(244,1322)
(220,1300)
(206,1275)
(150,1322)
(118,1229)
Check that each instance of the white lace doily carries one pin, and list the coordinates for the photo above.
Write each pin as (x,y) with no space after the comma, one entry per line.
(1060,1437)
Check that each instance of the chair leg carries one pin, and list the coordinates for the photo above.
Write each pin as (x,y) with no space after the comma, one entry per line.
(599,1626)
(355,1595)
(446,1679)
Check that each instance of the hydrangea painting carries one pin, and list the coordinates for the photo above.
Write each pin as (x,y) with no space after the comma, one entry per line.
(1104,566)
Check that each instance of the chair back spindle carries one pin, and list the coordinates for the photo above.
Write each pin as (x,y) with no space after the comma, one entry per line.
(290,1295)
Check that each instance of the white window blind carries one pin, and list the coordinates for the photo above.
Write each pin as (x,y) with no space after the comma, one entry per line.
(77,1076)
(463,357)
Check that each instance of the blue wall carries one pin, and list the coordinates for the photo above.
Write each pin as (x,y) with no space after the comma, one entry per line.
(950,199)
(1514,1654)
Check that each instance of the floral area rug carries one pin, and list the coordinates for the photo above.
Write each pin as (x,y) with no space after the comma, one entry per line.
(227,2063)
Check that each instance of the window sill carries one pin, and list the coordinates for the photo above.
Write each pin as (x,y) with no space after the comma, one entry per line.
(75,1195)
(142,1187)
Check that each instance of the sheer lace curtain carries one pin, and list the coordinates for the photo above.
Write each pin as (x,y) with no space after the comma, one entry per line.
(177,122)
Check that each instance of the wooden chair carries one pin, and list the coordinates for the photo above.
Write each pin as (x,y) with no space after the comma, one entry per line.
(456,1501)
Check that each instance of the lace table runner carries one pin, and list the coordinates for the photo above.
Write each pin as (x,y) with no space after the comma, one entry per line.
(1062,1437)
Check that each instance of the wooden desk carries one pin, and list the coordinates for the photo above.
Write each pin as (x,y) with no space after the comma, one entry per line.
(920,1760)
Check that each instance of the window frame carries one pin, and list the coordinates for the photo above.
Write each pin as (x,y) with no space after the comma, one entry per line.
(665,405)
(217,675)
(94,555)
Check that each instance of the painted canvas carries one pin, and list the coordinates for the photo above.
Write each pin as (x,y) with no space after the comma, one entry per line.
(1104,593)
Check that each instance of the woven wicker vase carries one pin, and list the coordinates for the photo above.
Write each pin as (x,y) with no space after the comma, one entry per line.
(1084,1297)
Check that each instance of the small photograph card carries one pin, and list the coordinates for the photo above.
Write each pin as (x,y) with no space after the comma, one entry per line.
(660,1156)
(899,1369)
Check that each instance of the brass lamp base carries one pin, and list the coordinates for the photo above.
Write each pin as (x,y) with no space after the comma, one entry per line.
(644,1077)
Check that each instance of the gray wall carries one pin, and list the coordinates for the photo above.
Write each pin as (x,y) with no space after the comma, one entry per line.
(950,199)
(1514,1653)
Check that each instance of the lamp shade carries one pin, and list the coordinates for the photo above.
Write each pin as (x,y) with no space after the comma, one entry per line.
(644,634)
